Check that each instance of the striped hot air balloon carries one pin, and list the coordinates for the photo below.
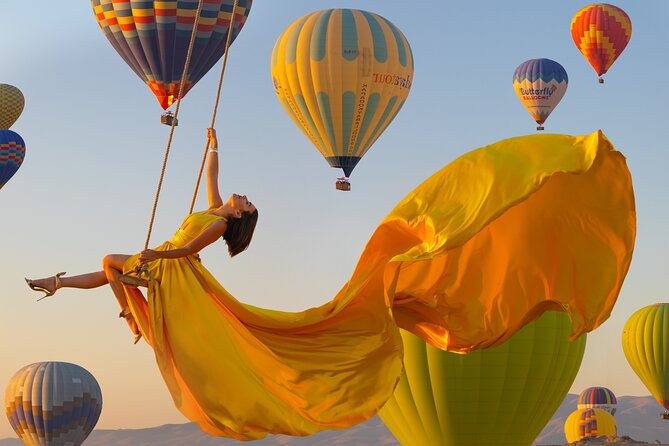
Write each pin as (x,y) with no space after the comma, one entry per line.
(501,396)
(153,38)
(12,152)
(11,105)
(540,84)
(53,404)
(342,75)
(601,32)
(646,348)
(588,423)
(598,398)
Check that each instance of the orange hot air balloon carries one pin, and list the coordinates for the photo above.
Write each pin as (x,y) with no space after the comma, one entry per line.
(601,32)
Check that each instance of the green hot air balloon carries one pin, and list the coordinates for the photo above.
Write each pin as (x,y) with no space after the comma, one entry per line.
(501,396)
(646,348)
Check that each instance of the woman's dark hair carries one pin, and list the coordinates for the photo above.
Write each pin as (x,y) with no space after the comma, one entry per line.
(239,232)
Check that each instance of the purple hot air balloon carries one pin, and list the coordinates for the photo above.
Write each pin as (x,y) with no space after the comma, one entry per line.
(540,85)
(12,152)
(598,398)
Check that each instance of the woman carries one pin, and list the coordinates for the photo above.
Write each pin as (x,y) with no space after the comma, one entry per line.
(481,248)
(233,220)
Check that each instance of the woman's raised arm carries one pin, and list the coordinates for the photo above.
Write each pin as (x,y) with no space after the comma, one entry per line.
(213,194)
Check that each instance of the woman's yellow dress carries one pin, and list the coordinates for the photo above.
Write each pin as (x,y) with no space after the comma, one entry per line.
(481,248)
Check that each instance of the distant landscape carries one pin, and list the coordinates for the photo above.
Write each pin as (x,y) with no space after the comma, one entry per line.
(637,417)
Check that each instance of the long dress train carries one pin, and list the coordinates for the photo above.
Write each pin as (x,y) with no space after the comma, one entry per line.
(478,250)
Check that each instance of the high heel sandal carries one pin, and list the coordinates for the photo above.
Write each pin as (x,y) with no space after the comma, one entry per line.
(41,289)
(127,315)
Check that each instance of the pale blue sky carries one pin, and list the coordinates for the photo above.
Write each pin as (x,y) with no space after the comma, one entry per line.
(95,147)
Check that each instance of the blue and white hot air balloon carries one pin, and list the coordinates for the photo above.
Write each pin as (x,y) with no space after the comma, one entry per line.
(53,404)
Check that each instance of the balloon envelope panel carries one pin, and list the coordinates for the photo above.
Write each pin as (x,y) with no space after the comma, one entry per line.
(503,395)
(646,348)
(53,404)
(12,153)
(153,38)
(342,75)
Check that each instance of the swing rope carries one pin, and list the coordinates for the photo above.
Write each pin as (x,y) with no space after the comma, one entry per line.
(218,97)
(176,111)
(174,120)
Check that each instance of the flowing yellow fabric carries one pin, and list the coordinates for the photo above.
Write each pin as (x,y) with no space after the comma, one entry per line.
(481,248)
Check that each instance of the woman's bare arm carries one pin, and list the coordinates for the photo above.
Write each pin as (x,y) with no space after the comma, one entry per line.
(213,194)
(204,239)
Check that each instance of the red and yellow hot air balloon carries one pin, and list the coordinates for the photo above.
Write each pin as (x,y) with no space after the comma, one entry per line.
(601,32)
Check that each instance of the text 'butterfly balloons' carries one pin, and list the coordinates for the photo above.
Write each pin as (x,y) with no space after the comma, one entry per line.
(342,75)
(540,84)
(601,32)
(153,38)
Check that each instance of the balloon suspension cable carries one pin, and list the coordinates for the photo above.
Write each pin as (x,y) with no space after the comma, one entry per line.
(176,113)
(231,29)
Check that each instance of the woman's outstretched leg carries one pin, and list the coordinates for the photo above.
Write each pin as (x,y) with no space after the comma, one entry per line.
(85,281)
(112,269)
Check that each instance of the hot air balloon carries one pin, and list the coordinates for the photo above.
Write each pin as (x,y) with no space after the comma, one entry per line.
(12,152)
(342,75)
(501,396)
(11,105)
(540,85)
(601,32)
(53,404)
(646,348)
(153,38)
(588,423)
(598,398)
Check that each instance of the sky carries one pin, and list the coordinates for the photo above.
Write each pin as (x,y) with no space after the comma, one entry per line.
(95,148)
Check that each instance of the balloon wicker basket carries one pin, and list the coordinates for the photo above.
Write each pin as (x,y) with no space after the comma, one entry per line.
(343,184)
(540,127)
(167,118)
(601,81)
(664,416)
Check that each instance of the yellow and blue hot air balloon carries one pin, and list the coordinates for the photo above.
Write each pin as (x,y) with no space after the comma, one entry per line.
(153,38)
(12,152)
(598,398)
(501,396)
(342,75)
(601,32)
(589,423)
(540,85)
(11,105)
(646,348)
(53,404)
